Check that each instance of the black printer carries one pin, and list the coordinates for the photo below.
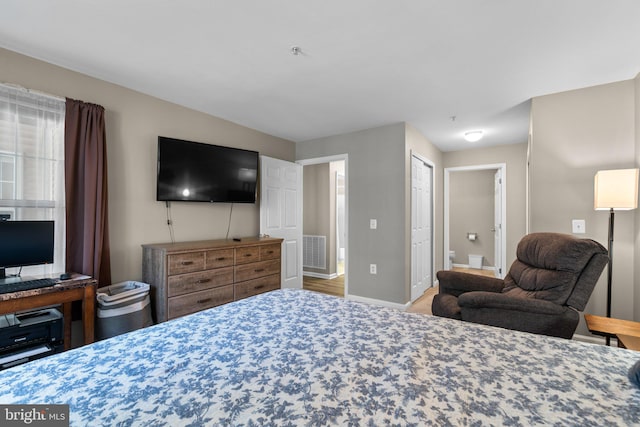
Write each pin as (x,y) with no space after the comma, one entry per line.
(29,336)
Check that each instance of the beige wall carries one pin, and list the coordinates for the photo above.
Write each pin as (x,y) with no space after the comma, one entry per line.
(316,192)
(515,158)
(134,121)
(471,210)
(573,135)
(318,210)
(375,189)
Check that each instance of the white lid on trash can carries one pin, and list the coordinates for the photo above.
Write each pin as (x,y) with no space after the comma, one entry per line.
(120,291)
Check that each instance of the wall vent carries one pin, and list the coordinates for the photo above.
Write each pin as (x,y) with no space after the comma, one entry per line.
(314,250)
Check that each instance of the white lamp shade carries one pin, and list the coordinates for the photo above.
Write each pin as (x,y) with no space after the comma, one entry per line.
(616,189)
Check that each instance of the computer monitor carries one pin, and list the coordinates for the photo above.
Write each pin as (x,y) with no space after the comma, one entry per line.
(25,243)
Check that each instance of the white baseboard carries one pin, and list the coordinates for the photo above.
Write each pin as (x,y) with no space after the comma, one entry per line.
(397,306)
(320,275)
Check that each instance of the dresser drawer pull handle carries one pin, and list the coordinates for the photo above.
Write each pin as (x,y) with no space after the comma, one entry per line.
(202,301)
(248,255)
(186,262)
(220,259)
(258,287)
(259,270)
(203,281)
(269,252)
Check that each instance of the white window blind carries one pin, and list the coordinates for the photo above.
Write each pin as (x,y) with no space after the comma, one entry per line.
(32,164)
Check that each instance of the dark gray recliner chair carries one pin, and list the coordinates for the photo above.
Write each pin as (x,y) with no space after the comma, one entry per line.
(547,286)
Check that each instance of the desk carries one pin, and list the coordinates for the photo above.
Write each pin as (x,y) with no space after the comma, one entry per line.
(626,332)
(78,288)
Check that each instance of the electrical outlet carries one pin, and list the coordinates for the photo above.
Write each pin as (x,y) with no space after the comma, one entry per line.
(578,226)
(373,269)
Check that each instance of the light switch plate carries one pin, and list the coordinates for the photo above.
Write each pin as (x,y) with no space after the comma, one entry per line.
(373,224)
(578,226)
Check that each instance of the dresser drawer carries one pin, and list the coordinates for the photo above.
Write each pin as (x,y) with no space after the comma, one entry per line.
(247,254)
(219,258)
(196,301)
(185,263)
(191,282)
(257,286)
(257,269)
(269,252)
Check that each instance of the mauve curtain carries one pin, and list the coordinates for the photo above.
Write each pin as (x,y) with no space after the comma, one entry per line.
(85,160)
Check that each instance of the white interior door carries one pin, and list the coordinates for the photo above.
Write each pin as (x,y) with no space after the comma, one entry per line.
(497,229)
(281,213)
(421,227)
(341,223)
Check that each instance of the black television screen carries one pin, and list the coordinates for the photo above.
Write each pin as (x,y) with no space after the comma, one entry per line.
(25,243)
(196,172)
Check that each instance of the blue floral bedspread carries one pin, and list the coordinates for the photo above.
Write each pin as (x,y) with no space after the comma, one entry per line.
(297,358)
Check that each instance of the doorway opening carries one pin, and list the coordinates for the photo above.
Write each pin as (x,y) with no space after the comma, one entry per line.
(475,218)
(325,235)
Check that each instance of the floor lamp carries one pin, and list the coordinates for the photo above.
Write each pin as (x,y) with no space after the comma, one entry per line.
(614,190)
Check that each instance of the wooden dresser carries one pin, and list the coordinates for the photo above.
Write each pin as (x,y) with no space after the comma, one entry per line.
(191,276)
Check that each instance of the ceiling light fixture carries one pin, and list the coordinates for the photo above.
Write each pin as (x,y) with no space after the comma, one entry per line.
(473,135)
(296,50)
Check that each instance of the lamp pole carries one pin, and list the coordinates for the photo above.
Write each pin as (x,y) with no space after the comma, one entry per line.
(610,266)
(610,270)
(615,189)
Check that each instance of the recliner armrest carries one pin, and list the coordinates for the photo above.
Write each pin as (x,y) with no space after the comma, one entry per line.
(500,301)
(517,313)
(456,283)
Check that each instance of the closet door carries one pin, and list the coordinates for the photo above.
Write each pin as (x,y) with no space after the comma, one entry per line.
(421,227)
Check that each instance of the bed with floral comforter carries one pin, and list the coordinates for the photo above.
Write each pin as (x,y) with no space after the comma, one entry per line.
(297,358)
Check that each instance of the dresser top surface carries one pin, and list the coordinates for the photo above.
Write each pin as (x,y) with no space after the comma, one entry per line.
(212,244)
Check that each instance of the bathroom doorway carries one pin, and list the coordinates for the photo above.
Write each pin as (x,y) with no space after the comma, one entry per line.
(474,218)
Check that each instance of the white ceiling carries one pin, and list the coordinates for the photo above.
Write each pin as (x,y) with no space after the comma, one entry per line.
(364,64)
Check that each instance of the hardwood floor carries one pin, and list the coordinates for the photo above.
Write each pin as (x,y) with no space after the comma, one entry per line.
(325,286)
(423,304)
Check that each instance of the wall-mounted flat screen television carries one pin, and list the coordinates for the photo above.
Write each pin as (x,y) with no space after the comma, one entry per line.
(195,172)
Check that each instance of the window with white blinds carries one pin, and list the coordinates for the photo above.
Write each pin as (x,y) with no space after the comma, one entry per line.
(32,164)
